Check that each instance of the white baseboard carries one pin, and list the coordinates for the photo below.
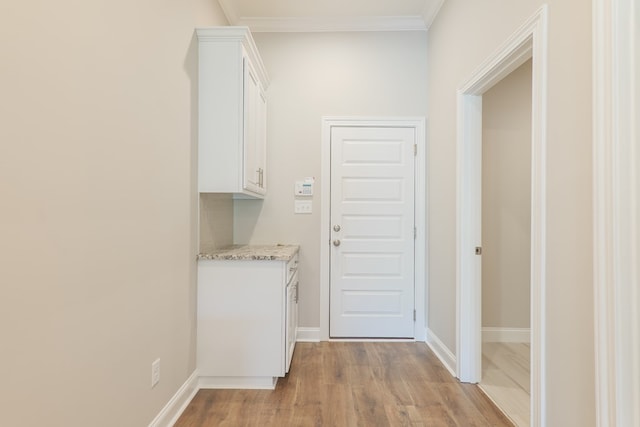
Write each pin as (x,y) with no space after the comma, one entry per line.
(308,335)
(491,334)
(178,403)
(259,383)
(442,352)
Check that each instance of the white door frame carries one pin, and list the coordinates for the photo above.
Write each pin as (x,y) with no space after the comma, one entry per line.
(418,123)
(616,156)
(529,41)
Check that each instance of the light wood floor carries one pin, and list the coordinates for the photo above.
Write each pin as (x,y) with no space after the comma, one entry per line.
(352,384)
(506,378)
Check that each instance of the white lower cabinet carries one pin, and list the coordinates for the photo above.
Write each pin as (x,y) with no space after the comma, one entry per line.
(247,321)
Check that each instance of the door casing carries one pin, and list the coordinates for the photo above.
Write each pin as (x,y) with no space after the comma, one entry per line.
(616,98)
(419,124)
(529,41)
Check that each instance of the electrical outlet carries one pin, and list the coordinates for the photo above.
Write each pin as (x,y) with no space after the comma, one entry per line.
(155,372)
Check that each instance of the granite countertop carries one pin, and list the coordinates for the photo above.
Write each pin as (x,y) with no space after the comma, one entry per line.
(252,253)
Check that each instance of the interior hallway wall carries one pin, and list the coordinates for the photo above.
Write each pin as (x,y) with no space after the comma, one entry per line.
(314,75)
(98,229)
(506,201)
(463,35)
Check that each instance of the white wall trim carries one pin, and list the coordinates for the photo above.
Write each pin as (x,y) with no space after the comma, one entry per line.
(421,253)
(178,403)
(442,352)
(304,334)
(333,24)
(616,212)
(530,40)
(249,383)
(515,335)
(421,200)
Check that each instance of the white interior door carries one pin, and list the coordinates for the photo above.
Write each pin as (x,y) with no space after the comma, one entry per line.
(372,232)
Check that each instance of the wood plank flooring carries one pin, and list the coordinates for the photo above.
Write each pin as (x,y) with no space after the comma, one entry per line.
(506,378)
(352,384)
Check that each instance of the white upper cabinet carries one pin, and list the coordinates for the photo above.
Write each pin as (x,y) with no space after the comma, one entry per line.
(232,119)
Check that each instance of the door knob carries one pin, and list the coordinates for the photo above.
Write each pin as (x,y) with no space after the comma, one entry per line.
(336,227)
(336,243)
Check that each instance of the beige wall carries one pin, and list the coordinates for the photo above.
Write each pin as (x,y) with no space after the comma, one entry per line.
(216,221)
(98,219)
(312,75)
(506,201)
(464,34)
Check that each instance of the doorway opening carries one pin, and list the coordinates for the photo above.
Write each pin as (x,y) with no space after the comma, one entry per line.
(529,42)
(506,244)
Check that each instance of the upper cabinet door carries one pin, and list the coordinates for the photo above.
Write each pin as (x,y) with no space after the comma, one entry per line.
(254,132)
(232,113)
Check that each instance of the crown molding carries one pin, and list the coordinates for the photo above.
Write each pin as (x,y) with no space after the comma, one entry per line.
(333,24)
(336,23)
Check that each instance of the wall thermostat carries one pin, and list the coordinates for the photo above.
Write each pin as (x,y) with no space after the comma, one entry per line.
(304,188)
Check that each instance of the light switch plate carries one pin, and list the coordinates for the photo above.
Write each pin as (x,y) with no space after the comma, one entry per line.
(302,206)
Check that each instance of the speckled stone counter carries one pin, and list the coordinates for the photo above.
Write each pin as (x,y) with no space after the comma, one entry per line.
(253,253)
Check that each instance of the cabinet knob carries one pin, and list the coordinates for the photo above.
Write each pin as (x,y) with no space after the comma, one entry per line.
(336,242)
(336,228)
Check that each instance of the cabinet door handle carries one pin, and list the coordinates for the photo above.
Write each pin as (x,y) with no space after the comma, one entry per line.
(260,172)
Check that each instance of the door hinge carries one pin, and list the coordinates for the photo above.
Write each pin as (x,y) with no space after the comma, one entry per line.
(415,149)
(414,315)
(415,233)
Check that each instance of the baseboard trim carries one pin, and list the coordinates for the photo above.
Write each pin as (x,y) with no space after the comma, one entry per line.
(249,383)
(175,407)
(442,352)
(308,335)
(492,334)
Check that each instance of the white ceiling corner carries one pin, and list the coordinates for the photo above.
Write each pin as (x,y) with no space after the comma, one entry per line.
(431,9)
(331,15)
(229,11)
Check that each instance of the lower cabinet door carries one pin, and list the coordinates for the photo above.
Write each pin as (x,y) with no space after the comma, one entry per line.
(291,319)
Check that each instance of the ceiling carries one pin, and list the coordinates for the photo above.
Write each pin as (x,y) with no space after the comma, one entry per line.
(331,15)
